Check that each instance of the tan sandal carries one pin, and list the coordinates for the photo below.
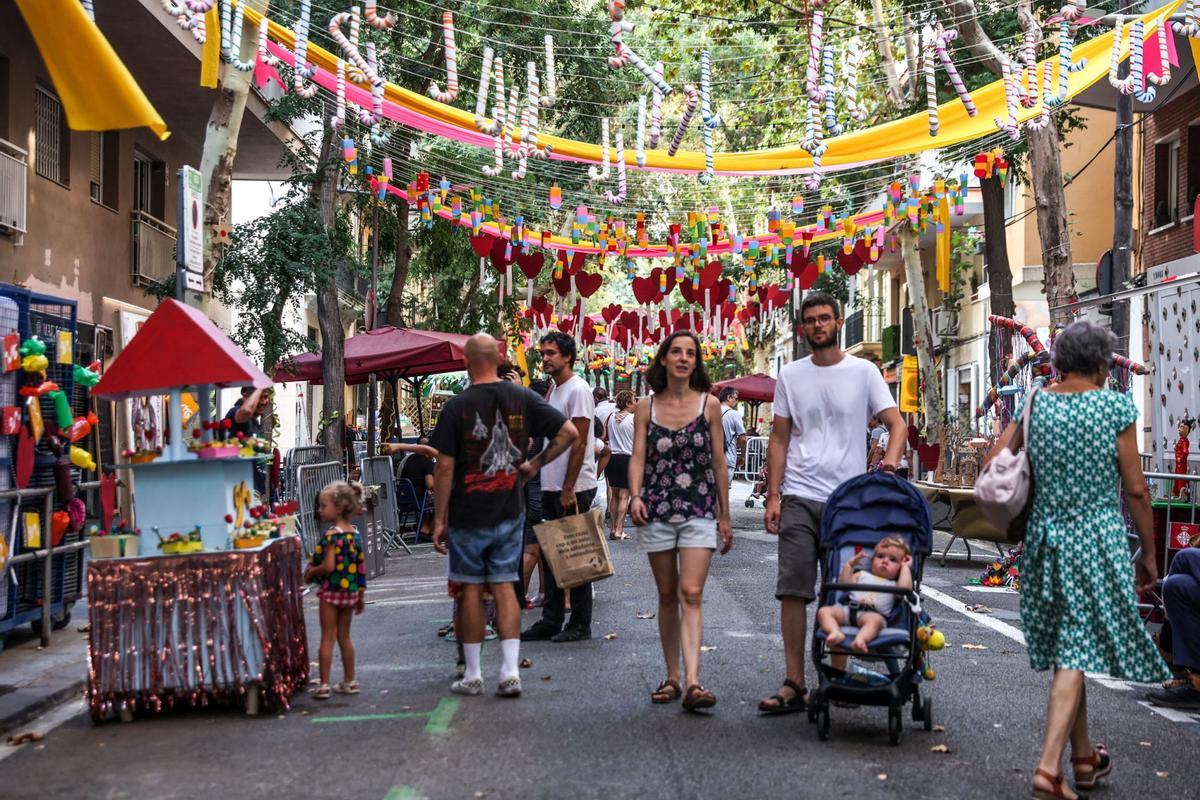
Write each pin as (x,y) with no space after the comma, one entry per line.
(347,688)
(667,692)
(1099,762)
(322,692)
(1057,793)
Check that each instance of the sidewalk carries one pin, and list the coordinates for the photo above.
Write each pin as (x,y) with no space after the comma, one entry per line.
(35,679)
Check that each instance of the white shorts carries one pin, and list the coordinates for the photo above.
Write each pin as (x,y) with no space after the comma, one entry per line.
(657,537)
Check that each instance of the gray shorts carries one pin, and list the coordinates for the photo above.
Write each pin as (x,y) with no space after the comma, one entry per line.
(799,547)
(657,537)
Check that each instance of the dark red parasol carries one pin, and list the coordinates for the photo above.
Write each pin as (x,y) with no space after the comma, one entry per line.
(756,388)
(387,352)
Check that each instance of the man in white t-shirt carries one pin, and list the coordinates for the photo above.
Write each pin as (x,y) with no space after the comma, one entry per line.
(733,427)
(568,486)
(821,407)
(605,408)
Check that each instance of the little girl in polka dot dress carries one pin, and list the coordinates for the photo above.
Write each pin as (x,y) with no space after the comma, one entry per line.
(337,564)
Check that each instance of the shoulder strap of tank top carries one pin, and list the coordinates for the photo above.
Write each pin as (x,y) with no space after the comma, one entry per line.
(703,402)
(652,419)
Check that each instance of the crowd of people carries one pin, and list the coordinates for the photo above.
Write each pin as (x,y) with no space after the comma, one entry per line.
(505,457)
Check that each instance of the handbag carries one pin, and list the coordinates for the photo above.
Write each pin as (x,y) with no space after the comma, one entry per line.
(1004,490)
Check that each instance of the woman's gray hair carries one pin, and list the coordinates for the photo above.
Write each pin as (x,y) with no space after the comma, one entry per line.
(1083,348)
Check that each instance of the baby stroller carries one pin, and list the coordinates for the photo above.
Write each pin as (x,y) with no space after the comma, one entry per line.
(857,515)
(759,490)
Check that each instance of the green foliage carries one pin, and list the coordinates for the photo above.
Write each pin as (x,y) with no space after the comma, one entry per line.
(836,283)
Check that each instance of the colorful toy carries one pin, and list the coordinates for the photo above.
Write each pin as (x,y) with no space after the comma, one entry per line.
(82,459)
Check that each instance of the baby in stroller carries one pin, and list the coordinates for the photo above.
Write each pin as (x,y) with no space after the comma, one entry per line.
(891,565)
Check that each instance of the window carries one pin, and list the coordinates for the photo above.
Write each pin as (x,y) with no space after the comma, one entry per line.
(52,153)
(1193,168)
(103,166)
(1166,184)
(149,185)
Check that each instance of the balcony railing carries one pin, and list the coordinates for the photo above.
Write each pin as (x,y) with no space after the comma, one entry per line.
(14,173)
(153,250)
(863,327)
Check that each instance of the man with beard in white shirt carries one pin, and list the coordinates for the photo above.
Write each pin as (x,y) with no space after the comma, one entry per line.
(821,408)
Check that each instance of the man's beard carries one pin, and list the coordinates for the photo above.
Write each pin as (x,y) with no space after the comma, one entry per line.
(813,345)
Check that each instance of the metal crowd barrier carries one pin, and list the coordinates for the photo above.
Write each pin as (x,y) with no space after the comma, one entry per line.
(310,480)
(295,458)
(378,471)
(756,457)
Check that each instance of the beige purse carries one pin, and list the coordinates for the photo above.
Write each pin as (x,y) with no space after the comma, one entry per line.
(1004,490)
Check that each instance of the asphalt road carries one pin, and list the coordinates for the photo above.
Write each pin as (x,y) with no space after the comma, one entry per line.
(585,727)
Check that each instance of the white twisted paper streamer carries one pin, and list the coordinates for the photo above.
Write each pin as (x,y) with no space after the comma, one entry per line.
(1122,85)
(371,14)
(603,173)
(231,36)
(1190,27)
(1011,92)
(302,70)
(1042,120)
(622,187)
(1066,63)
(451,92)
(656,99)
(339,114)
(264,55)
(832,126)
(692,99)
(617,28)
(941,38)
(931,93)
(481,94)
(547,100)
(639,146)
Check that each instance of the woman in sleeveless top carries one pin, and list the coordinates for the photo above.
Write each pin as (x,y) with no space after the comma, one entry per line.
(680,491)
(619,435)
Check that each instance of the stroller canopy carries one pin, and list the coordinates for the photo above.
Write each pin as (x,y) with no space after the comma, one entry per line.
(866,508)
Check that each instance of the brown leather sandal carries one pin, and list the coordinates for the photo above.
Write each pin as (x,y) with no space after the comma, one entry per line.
(1057,793)
(667,692)
(1101,765)
(697,697)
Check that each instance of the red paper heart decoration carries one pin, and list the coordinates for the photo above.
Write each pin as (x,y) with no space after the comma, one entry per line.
(566,324)
(862,249)
(710,274)
(562,284)
(929,454)
(575,264)
(482,245)
(728,311)
(631,321)
(686,291)
(645,290)
(588,283)
(589,332)
(610,313)
(743,314)
(808,276)
(665,279)
(531,263)
(849,262)
(914,437)
(501,260)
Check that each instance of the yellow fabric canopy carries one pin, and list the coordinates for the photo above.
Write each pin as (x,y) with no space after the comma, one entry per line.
(96,89)
(901,137)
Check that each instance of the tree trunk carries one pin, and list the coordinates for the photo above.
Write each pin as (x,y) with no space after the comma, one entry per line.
(329,317)
(923,340)
(220,150)
(1122,249)
(394,313)
(1058,280)
(883,40)
(995,246)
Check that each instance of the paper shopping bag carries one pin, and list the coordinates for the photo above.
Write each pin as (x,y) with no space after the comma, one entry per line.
(575,548)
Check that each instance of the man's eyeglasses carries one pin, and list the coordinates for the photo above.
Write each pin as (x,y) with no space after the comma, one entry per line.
(824,319)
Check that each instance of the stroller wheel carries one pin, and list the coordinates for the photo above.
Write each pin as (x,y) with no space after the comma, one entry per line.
(927,714)
(894,726)
(749,502)
(823,723)
(918,708)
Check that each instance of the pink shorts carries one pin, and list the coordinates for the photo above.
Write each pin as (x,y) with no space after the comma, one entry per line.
(339,598)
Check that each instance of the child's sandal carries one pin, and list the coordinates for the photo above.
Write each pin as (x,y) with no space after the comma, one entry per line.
(347,688)
(322,692)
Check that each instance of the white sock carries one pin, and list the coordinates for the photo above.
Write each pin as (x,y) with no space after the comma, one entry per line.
(471,657)
(510,651)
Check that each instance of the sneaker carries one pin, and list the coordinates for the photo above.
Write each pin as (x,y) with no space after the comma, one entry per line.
(509,687)
(489,633)
(535,600)
(571,635)
(1183,696)
(539,632)
(472,688)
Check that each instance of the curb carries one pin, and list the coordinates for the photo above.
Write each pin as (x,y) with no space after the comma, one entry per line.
(40,705)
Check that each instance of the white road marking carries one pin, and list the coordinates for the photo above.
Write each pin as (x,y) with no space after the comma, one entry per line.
(986,620)
(1016,635)
(1170,713)
(991,589)
(44,724)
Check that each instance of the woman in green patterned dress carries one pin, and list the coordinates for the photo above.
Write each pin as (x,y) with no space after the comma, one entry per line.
(1078,603)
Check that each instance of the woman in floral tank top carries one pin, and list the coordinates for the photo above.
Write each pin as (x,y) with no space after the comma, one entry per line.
(680,491)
